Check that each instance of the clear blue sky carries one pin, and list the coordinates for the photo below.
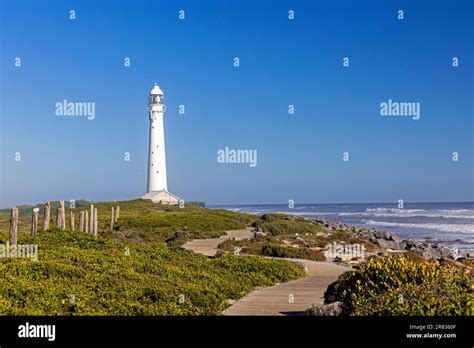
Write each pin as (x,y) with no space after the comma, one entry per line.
(282,62)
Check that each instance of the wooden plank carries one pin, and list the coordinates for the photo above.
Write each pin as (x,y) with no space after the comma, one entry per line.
(291,298)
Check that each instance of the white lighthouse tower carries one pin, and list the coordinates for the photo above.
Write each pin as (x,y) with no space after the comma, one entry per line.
(157,185)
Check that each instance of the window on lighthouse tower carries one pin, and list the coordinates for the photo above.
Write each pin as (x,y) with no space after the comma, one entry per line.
(154,99)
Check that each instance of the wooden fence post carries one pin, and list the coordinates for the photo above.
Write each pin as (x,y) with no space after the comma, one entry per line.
(117,213)
(81,221)
(63,218)
(59,217)
(13,226)
(91,227)
(112,218)
(95,222)
(34,221)
(71,214)
(87,222)
(46,215)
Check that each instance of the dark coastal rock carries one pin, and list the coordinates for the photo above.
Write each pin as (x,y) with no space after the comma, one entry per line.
(395,238)
(383,234)
(373,239)
(446,252)
(461,241)
(429,249)
(430,253)
(388,244)
(410,244)
(403,245)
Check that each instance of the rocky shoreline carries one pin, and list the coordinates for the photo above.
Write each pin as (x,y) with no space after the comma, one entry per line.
(389,242)
(385,243)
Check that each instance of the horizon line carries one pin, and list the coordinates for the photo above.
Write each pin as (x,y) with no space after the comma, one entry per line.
(319,203)
(254,204)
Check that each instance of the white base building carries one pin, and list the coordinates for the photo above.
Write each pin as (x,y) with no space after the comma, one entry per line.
(157,186)
(163,197)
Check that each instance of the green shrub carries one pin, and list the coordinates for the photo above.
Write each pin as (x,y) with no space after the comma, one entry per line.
(279,227)
(339,235)
(403,285)
(179,225)
(273,217)
(277,250)
(247,219)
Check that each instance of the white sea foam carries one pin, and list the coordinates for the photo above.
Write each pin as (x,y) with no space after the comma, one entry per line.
(452,228)
(289,212)
(394,212)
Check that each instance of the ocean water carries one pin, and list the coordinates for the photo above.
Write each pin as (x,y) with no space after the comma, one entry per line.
(449,223)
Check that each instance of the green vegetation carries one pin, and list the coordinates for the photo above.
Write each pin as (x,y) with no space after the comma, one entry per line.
(177,226)
(277,250)
(261,246)
(298,231)
(404,285)
(138,268)
(144,221)
(131,270)
(180,225)
(287,237)
(278,224)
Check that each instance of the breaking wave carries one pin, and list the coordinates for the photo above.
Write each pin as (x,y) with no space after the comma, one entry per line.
(452,228)
(394,212)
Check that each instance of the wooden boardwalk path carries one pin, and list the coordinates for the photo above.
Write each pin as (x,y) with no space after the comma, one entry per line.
(208,247)
(291,298)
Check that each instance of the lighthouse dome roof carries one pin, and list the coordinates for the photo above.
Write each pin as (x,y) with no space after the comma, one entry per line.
(156,90)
